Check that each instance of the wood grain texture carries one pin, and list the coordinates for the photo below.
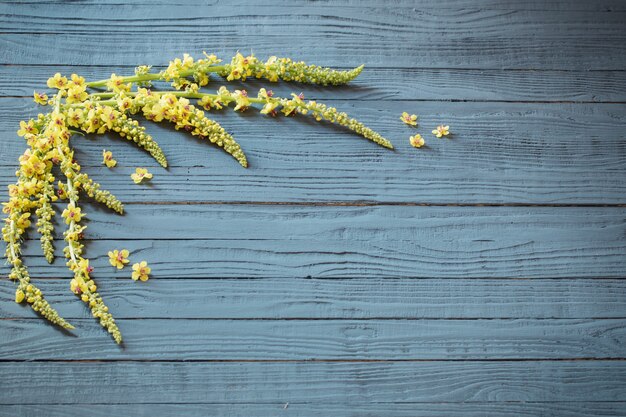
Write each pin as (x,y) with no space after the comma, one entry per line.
(318,382)
(470,38)
(533,5)
(226,241)
(428,311)
(298,340)
(500,153)
(356,298)
(411,84)
(422,409)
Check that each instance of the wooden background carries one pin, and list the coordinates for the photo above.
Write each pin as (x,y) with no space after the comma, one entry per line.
(479,276)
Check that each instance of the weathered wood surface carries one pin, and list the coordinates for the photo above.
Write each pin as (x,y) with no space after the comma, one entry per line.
(226,241)
(380,35)
(319,382)
(355,298)
(422,409)
(335,278)
(270,340)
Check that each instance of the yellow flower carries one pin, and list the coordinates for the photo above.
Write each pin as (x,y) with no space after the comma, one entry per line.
(78,285)
(58,82)
(84,266)
(72,213)
(116,83)
(75,117)
(77,94)
(108,116)
(141,271)
(107,159)
(27,128)
(118,258)
(441,131)
(124,103)
(416,141)
(23,221)
(241,99)
(409,119)
(140,174)
(19,296)
(77,80)
(40,98)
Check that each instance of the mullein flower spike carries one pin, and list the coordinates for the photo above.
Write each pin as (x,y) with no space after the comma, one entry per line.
(75,109)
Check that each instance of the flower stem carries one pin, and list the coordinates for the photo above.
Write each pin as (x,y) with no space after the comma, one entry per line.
(158,76)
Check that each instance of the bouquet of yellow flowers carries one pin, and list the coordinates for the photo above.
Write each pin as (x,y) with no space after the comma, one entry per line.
(77,109)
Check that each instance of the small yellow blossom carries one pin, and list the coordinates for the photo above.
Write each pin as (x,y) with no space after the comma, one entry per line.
(118,258)
(75,117)
(19,296)
(409,119)
(108,116)
(141,271)
(116,84)
(107,158)
(76,94)
(57,82)
(78,285)
(241,99)
(416,141)
(72,213)
(27,128)
(77,80)
(83,266)
(140,174)
(40,98)
(23,221)
(441,131)
(124,103)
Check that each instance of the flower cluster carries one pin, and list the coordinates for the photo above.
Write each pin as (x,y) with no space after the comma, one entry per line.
(77,109)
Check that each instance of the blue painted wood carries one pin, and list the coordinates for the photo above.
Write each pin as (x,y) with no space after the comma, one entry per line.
(533,126)
(355,298)
(312,382)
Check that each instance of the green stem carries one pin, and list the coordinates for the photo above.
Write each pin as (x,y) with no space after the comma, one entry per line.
(184,94)
(159,76)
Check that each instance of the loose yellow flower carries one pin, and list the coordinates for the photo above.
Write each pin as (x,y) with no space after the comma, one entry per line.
(19,296)
(27,128)
(141,271)
(57,82)
(416,141)
(409,119)
(40,98)
(107,159)
(118,258)
(140,174)
(72,213)
(441,131)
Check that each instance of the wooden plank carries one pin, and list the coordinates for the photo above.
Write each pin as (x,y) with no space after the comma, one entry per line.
(554,5)
(388,84)
(362,242)
(489,409)
(298,340)
(384,37)
(319,382)
(358,298)
(501,153)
